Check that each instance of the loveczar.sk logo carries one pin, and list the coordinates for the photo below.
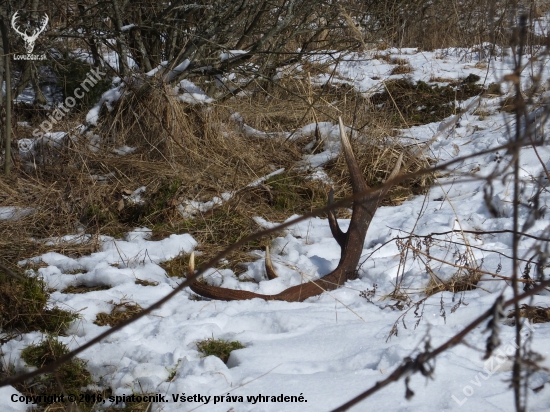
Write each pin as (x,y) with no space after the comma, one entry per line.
(29,39)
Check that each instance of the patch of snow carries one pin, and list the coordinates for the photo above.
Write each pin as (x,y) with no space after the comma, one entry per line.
(8,393)
(190,93)
(180,68)
(334,346)
(135,197)
(124,150)
(190,208)
(14,212)
(231,53)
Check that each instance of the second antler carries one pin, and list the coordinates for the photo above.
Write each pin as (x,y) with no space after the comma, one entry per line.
(351,243)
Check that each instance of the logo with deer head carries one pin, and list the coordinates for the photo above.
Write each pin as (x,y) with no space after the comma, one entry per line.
(29,39)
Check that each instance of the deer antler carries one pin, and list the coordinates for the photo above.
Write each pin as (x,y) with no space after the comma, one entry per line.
(29,40)
(350,242)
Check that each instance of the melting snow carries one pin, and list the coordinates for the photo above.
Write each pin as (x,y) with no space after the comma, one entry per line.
(332,347)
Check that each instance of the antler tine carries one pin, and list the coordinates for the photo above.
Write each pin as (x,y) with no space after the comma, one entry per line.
(357,181)
(191,268)
(337,233)
(269,270)
(350,242)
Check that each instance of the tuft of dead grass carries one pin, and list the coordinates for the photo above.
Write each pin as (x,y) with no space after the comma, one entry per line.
(121,311)
(218,347)
(409,104)
(144,282)
(460,282)
(176,267)
(535,314)
(402,69)
(84,289)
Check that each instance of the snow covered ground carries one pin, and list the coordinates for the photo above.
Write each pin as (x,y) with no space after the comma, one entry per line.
(330,348)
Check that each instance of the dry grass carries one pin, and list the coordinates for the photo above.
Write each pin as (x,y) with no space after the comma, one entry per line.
(437,24)
(144,282)
(194,153)
(461,281)
(83,289)
(402,69)
(121,311)
(24,305)
(176,267)
(535,314)
(218,347)
(406,103)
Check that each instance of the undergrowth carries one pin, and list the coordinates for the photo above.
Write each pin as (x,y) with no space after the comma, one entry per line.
(23,305)
(412,103)
(121,311)
(71,377)
(535,314)
(184,153)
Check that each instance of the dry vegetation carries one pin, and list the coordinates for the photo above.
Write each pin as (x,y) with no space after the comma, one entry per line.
(121,311)
(535,314)
(185,152)
(195,153)
(218,347)
(23,305)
